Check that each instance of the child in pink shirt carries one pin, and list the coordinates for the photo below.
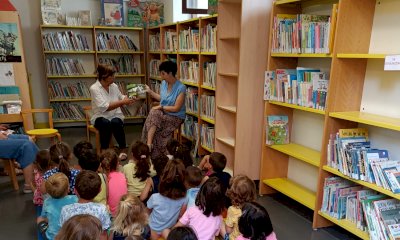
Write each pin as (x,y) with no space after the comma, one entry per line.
(255,223)
(205,217)
(116,186)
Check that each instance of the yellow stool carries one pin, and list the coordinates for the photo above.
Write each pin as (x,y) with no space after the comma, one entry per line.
(43,132)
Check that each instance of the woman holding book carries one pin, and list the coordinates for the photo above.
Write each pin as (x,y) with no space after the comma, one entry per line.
(22,149)
(107,101)
(169,115)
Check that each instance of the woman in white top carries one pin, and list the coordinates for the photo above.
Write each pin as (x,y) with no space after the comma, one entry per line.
(106,102)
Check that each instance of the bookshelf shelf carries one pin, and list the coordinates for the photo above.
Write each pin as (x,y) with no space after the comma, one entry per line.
(363,183)
(227,141)
(129,75)
(71,100)
(300,152)
(207,87)
(302,55)
(208,53)
(362,55)
(69,121)
(65,26)
(69,52)
(187,137)
(209,120)
(307,109)
(349,226)
(73,76)
(231,109)
(118,28)
(369,119)
(119,52)
(192,114)
(228,74)
(156,78)
(292,190)
(191,84)
(279,2)
(154,52)
(189,53)
(10,118)
(166,52)
(207,149)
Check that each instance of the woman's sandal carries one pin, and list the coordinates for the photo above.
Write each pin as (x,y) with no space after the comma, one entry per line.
(27,188)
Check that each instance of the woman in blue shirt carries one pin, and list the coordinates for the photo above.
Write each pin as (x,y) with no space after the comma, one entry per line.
(169,115)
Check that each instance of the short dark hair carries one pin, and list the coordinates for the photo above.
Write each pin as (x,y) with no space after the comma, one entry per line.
(88,160)
(255,222)
(168,67)
(87,184)
(172,146)
(172,180)
(182,233)
(159,163)
(104,71)
(217,161)
(193,176)
(211,197)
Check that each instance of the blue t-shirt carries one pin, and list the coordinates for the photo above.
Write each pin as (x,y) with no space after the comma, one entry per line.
(52,210)
(169,98)
(98,210)
(165,211)
(191,195)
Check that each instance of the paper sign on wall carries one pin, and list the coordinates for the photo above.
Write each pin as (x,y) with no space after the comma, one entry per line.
(392,63)
(7,74)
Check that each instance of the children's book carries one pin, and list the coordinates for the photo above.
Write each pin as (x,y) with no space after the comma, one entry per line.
(136,90)
(277,130)
(113,12)
(84,18)
(269,85)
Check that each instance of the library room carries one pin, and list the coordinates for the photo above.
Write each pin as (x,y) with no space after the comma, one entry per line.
(199,119)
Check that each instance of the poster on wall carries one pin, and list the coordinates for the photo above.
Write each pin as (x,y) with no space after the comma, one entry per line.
(9,46)
(113,12)
(143,13)
(51,12)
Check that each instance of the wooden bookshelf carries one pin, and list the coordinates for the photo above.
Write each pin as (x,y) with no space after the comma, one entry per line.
(307,109)
(300,152)
(88,59)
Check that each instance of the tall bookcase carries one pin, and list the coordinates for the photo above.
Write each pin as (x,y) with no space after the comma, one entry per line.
(242,45)
(361,94)
(193,49)
(71,54)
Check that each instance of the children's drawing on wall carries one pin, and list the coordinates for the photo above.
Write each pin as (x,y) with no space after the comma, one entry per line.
(113,12)
(9,47)
(142,13)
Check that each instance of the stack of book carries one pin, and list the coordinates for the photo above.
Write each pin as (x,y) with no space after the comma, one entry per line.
(65,41)
(189,127)
(191,101)
(207,136)
(189,71)
(64,66)
(153,67)
(107,41)
(209,38)
(67,111)
(189,40)
(58,90)
(155,86)
(210,73)
(170,43)
(124,65)
(207,106)
(307,87)
(154,42)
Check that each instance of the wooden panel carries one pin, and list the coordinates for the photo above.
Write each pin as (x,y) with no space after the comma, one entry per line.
(229,18)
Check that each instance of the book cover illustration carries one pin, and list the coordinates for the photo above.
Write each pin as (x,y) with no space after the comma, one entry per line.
(269,78)
(112,12)
(277,130)
(136,90)
(51,12)
(85,18)
(143,13)
(9,46)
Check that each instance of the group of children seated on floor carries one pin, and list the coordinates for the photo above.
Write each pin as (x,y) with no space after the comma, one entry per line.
(100,199)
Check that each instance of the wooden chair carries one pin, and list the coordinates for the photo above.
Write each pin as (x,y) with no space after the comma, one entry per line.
(91,129)
(10,169)
(49,132)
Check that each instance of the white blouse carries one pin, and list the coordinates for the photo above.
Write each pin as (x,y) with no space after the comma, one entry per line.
(101,99)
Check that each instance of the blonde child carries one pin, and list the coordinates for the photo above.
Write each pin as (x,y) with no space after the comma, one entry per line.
(169,203)
(137,171)
(131,219)
(205,217)
(116,181)
(57,187)
(80,227)
(60,155)
(255,223)
(242,190)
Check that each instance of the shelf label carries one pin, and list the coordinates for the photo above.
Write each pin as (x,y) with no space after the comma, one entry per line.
(392,63)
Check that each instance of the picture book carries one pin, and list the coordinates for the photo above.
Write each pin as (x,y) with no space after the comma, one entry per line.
(136,90)
(84,18)
(269,84)
(142,13)
(277,130)
(113,12)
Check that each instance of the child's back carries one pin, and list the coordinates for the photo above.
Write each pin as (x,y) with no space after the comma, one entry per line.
(193,178)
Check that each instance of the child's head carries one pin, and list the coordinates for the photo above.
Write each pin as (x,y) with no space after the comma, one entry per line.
(141,155)
(242,189)
(183,153)
(57,185)
(159,163)
(254,222)
(109,161)
(87,184)
(172,180)
(193,177)
(182,233)
(217,161)
(210,198)
(131,217)
(172,146)
(60,154)
(80,227)
(88,160)
(42,161)
(81,147)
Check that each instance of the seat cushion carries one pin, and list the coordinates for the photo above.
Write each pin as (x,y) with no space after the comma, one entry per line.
(43,131)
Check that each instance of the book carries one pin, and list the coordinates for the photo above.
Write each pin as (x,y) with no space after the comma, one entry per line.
(268,84)
(84,18)
(112,12)
(136,90)
(277,129)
